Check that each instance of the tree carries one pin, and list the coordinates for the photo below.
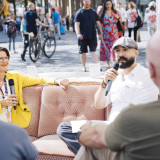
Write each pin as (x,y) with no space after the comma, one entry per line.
(14,5)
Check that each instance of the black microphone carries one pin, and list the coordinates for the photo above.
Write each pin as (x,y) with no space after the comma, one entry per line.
(109,84)
(11,84)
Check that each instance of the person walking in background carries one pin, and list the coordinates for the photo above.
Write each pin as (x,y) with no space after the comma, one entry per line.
(56,21)
(86,20)
(67,22)
(11,31)
(99,9)
(31,19)
(152,3)
(48,21)
(122,13)
(150,19)
(72,20)
(108,18)
(131,19)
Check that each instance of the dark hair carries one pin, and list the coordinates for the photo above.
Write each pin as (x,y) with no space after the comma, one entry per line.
(5,50)
(53,9)
(104,9)
(152,8)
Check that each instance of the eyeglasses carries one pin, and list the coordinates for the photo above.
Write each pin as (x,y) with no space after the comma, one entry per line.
(4,59)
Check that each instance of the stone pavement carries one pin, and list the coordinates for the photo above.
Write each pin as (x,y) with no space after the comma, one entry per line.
(66,58)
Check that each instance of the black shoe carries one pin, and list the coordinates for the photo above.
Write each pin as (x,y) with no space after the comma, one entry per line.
(23,59)
(59,38)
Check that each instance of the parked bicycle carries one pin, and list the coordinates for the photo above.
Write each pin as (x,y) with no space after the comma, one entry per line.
(48,46)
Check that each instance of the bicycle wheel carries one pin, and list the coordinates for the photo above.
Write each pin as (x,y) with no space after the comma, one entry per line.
(49,46)
(34,50)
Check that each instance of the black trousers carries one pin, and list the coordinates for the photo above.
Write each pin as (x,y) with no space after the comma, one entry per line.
(135,29)
(26,43)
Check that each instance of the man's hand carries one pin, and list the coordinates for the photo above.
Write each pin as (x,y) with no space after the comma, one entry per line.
(10,100)
(100,37)
(86,125)
(110,74)
(79,36)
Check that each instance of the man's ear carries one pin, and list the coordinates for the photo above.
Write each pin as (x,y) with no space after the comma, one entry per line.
(151,70)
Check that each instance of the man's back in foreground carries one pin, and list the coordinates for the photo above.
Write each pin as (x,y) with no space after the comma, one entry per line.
(15,143)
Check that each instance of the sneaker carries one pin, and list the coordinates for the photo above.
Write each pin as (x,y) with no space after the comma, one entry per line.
(23,59)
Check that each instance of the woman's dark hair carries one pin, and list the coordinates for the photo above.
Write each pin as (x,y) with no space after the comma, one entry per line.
(152,8)
(102,13)
(5,50)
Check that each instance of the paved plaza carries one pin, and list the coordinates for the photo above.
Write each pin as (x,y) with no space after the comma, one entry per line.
(66,59)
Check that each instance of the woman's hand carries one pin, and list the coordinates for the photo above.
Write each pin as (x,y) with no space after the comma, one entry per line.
(63,83)
(10,100)
(116,16)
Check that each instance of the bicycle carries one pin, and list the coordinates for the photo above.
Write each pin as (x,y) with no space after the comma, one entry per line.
(48,47)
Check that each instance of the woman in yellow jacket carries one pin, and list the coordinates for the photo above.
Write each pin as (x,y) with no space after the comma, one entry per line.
(22,114)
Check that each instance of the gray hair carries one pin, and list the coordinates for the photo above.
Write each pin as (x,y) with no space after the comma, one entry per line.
(30,5)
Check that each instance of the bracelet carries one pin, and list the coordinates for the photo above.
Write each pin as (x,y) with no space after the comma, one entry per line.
(103,84)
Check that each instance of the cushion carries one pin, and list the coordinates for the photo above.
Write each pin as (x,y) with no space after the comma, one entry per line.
(32,99)
(59,104)
(52,145)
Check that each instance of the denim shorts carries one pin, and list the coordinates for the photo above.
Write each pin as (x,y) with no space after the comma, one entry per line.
(82,45)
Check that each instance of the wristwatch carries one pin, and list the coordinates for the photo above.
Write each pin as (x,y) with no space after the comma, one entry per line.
(103,84)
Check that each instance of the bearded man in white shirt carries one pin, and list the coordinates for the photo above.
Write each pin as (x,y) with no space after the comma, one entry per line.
(131,85)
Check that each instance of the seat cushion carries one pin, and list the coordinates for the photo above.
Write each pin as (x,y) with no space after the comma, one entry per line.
(32,99)
(52,145)
(58,105)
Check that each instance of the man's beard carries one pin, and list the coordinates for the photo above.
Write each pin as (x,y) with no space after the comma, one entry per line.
(127,64)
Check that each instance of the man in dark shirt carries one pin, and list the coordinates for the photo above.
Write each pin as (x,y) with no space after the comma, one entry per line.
(31,19)
(15,143)
(86,21)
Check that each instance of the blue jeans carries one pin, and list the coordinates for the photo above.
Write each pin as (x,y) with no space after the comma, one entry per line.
(64,131)
(12,37)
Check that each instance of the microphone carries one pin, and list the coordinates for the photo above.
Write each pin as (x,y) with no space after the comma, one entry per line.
(11,84)
(109,84)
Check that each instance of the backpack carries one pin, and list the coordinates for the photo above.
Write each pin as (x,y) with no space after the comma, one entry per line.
(139,21)
(11,27)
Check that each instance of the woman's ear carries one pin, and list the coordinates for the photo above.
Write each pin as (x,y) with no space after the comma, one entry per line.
(151,70)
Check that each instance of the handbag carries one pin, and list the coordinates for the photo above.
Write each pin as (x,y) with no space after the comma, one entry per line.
(139,21)
(119,26)
(62,29)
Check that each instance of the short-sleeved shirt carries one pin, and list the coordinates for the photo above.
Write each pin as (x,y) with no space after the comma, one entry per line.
(87,19)
(131,16)
(137,88)
(55,15)
(30,20)
(135,133)
(151,19)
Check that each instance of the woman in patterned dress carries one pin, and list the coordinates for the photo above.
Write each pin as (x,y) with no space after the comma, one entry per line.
(109,20)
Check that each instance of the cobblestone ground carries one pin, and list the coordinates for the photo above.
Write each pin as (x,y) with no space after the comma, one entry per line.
(66,57)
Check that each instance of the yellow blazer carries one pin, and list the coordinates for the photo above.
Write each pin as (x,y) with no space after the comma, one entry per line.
(22,116)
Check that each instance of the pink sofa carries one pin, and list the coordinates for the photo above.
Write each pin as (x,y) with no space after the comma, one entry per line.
(51,105)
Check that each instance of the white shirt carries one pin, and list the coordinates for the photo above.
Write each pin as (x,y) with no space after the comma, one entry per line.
(122,13)
(3,115)
(131,16)
(137,88)
(151,19)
